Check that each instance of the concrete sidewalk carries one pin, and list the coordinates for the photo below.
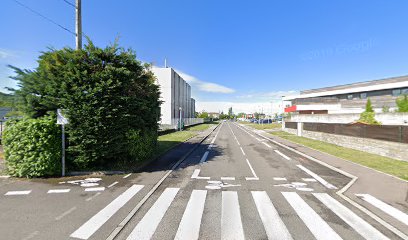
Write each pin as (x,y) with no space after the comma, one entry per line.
(387,188)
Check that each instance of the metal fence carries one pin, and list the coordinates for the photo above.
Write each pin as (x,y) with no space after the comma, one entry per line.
(380,132)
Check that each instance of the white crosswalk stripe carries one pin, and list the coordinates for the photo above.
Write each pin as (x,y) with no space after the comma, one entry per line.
(273,224)
(147,226)
(189,227)
(319,228)
(231,225)
(93,224)
(397,214)
(229,219)
(362,227)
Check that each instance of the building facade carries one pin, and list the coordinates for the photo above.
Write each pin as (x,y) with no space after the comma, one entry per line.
(175,96)
(350,98)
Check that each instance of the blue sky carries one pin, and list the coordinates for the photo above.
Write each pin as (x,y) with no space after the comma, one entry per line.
(243,54)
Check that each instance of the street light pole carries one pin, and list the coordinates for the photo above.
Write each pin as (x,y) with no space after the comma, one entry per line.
(180,110)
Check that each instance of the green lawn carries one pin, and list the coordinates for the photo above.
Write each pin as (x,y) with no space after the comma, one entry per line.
(263,126)
(384,164)
(168,141)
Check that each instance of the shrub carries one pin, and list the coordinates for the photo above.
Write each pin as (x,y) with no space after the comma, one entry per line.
(106,93)
(32,147)
(369,107)
(368,118)
(402,103)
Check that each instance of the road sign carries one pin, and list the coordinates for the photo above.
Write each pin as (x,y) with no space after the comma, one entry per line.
(61,118)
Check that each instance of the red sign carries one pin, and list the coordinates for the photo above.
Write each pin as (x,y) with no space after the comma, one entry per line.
(291,109)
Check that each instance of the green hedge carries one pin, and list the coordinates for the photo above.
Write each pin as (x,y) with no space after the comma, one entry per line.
(32,147)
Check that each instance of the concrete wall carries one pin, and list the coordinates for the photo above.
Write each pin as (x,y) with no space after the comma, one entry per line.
(384,118)
(383,148)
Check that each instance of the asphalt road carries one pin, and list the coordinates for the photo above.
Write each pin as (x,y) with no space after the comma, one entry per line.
(234,185)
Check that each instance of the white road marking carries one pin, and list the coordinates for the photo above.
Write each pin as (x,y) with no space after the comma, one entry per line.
(242,150)
(209,147)
(32,235)
(273,224)
(59,190)
(95,189)
(147,226)
(13,193)
(113,184)
(396,213)
(283,155)
(255,177)
(65,213)
(204,157)
(231,225)
(196,174)
(238,142)
(189,227)
(269,146)
(94,223)
(228,178)
(94,196)
(279,179)
(127,175)
(317,226)
(258,139)
(362,227)
(315,176)
(309,180)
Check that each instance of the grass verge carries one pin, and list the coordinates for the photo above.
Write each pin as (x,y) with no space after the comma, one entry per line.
(170,140)
(384,164)
(263,126)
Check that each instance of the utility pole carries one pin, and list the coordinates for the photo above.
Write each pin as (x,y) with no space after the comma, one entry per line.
(78,25)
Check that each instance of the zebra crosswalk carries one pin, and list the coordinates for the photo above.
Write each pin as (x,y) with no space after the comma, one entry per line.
(231,214)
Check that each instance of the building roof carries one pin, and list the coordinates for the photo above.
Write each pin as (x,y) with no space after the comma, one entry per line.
(374,85)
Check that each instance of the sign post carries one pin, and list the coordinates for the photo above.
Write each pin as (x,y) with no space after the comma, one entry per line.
(62,120)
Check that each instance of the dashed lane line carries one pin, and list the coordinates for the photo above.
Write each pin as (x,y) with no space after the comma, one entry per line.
(65,213)
(227,178)
(92,197)
(204,157)
(14,193)
(264,143)
(95,189)
(279,179)
(282,155)
(59,190)
(113,184)
(317,177)
(128,175)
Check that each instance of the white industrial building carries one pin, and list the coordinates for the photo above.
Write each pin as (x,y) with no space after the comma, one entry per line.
(176,98)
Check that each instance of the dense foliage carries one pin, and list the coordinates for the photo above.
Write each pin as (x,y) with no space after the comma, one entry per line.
(108,96)
(32,147)
(402,103)
(7,100)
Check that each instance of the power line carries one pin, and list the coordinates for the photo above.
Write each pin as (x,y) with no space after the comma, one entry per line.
(46,18)
(69,3)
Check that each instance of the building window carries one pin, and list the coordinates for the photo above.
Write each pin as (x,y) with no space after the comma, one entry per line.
(396,92)
(363,95)
(350,96)
(404,91)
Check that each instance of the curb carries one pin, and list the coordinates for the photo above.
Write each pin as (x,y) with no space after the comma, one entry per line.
(125,221)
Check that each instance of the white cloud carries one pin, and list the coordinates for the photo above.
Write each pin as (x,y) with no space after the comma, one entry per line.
(205,86)
(5,54)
